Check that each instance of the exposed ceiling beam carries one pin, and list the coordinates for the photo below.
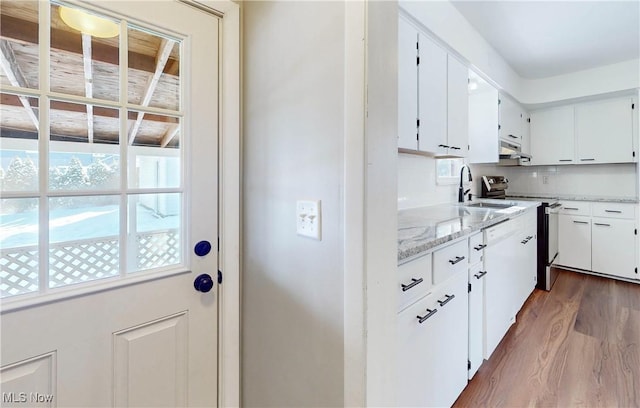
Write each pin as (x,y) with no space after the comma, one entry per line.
(27,31)
(164,51)
(13,100)
(88,82)
(171,133)
(16,78)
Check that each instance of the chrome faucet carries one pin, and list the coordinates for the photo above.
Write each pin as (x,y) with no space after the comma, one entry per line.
(461,191)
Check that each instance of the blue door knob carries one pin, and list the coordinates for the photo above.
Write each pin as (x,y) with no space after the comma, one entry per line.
(203,283)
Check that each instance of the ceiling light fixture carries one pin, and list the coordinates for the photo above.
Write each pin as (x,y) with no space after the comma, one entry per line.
(88,23)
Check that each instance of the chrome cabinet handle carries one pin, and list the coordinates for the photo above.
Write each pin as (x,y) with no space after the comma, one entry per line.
(512,136)
(587,159)
(455,261)
(413,283)
(480,247)
(565,160)
(430,312)
(603,225)
(480,274)
(448,298)
(580,222)
(441,145)
(570,208)
(613,211)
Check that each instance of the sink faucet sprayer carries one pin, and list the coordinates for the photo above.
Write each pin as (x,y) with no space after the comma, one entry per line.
(461,191)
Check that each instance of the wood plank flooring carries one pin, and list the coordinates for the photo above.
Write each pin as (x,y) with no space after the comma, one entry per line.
(576,346)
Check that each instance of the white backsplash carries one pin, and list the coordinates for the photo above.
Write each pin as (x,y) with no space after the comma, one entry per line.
(417,183)
(595,180)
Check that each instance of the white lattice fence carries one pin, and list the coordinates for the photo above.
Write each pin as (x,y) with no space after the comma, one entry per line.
(158,248)
(18,271)
(81,261)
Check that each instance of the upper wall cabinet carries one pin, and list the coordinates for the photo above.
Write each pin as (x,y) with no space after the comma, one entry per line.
(483,121)
(604,131)
(511,120)
(432,96)
(457,107)
(585,133)
(407,85)
(552,136)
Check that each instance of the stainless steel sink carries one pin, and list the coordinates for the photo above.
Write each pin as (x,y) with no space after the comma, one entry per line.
(489,205)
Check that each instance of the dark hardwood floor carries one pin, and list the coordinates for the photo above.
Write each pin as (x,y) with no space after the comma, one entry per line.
(576,346)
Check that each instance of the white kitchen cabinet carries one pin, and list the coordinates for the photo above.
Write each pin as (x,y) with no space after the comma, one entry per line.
(432,347)
(510,120)
(604,131)
(407,85)
(574,241)
(500,258)
(526,273)
(476,302)
(552,136)
(457,107)
(483,124)
(614,243)
(432,96)
(449,261)
(526,133)
(414,280)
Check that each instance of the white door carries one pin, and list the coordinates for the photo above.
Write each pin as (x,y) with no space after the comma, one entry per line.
(99,304)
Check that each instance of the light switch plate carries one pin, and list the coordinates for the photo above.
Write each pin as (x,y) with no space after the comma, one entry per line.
(309,219)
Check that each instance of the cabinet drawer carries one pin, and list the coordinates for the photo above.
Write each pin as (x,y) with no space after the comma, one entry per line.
(414,280)
(614,210)
(450,260)
(575,208)
(476,248)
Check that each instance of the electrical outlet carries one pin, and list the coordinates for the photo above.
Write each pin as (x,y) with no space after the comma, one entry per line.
(309,219)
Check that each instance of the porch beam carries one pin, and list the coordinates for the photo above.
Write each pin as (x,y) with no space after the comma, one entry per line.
(13,72)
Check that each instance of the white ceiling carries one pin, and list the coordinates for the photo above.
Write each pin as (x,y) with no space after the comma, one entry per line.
(546,38)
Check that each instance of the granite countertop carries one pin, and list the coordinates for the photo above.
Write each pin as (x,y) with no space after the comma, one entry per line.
(424,228)
(570,197)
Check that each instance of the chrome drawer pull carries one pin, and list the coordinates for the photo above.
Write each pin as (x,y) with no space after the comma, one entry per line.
(580,222)
(480,247)
(602,225)
(613,211)
(455,261)
(413,283)
(480,274)
(448,298)
(421,319)
(571,208)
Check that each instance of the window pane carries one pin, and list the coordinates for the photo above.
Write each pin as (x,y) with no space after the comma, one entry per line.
(18,143)
(84,239)
(84,53)
(154,70)
(84,147)
(19,31)
(154,156)
(18,246)
(156,221)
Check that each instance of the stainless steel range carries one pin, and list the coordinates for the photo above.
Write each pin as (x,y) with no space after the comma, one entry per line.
(496,187)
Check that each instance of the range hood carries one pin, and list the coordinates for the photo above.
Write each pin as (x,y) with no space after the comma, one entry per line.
(511,155)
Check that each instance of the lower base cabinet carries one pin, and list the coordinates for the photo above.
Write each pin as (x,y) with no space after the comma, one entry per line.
(432,346)
(613,247)
(476,317)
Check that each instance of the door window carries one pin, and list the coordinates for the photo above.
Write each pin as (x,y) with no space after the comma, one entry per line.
(91,156)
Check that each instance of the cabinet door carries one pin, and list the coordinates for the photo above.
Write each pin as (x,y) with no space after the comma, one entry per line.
(483,125)
(476,316)
(574,241)
(432,96)
(552,136)
(407,85)
(457,107)
(526,133)
(432,355)
(510,120)
(604,131)
(614,247)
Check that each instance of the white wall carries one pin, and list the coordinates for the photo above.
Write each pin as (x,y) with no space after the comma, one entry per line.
(596,181)
(292,308)
(417,183)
